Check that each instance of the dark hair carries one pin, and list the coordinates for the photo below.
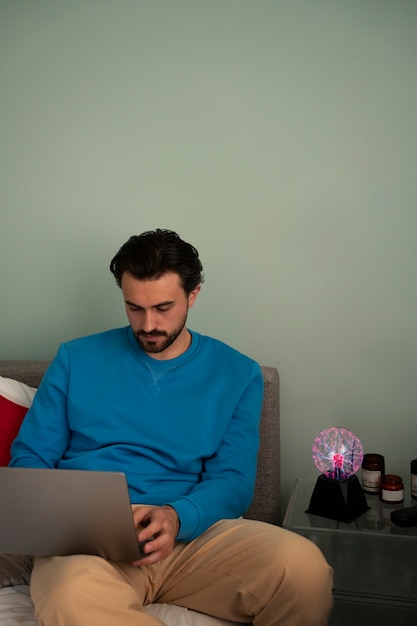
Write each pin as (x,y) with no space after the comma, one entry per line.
(155,252)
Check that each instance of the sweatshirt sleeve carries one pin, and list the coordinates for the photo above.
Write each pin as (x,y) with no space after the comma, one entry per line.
(44,434)
(227,484)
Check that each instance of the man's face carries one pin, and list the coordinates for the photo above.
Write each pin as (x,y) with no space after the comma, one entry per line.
(157,312)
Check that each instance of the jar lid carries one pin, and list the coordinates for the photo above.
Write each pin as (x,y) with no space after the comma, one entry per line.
(392,479)
(373,461)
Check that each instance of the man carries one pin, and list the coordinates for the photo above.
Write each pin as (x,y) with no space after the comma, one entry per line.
(178,413)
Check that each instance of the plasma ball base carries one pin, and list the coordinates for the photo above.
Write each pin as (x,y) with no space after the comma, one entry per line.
(341,500)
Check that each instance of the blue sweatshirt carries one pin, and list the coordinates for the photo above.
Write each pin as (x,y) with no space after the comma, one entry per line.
(185,431)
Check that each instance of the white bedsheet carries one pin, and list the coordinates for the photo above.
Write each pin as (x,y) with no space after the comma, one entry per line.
(16,609)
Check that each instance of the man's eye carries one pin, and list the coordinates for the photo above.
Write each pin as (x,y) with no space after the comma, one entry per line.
(163,309)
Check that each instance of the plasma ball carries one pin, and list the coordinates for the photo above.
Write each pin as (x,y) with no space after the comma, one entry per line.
(337,453)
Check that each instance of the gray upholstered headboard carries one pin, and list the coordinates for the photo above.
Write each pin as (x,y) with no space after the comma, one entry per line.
(266,502)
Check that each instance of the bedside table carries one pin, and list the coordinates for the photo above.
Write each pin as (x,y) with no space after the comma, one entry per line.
(374,561)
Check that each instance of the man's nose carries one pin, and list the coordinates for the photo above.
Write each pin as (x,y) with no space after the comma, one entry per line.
(149,322)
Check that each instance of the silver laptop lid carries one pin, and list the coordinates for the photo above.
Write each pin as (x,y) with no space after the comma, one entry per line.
(54,512)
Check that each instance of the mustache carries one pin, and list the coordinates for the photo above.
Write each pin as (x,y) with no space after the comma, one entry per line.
(153,333)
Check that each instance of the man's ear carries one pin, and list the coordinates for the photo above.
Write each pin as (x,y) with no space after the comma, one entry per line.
(192,297)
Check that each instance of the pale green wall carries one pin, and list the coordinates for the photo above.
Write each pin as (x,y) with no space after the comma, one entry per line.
(278,137)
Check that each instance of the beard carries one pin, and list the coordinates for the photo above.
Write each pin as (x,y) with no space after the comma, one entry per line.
(156,347)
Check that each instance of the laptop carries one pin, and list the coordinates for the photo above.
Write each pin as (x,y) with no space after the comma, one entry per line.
(55,512)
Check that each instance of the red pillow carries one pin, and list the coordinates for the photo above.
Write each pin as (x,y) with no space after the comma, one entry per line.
(15,400)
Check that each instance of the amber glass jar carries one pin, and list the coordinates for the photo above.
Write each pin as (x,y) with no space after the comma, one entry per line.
(413,479)
(392,489)
(373,468)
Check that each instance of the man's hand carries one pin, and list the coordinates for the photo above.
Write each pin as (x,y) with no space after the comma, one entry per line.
(158,526)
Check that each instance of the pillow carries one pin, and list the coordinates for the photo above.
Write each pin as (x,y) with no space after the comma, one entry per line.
(15,569)
(15,400)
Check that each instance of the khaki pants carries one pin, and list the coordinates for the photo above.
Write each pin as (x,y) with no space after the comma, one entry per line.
(239,570)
